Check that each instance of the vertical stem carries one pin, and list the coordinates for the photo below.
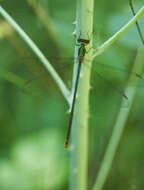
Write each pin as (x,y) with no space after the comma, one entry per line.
(79,152)
(120,123)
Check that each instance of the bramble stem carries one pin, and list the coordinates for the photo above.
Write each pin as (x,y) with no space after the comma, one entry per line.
(79,148)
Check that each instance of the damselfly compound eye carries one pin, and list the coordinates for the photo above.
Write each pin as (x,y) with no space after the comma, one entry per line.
(79,40)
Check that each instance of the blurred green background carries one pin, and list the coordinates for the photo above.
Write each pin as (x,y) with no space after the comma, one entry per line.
(33,116)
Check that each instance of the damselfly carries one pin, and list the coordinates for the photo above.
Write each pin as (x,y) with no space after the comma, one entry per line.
(102,71)
(81,56)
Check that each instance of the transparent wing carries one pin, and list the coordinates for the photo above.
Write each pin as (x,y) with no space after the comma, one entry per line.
(68,62)
(111,81)
(36,78)
(107,79)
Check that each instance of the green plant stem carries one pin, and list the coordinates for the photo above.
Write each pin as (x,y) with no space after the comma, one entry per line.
(38,53)
(120,123)
(79,148)
(112,39)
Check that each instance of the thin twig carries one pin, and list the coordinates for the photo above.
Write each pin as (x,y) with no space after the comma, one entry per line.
(112,39)
(137,24)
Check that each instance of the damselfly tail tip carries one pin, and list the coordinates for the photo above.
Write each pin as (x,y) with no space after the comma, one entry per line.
(66,145)
(27,82)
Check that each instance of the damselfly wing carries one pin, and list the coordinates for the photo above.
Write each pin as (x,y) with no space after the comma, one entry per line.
(112,76)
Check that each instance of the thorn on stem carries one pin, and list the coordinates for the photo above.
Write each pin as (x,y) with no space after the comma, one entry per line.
(125,96)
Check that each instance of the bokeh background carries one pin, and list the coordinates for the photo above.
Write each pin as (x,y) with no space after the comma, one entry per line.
(33,112)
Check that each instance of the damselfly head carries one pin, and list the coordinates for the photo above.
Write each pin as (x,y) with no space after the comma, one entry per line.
(85,41)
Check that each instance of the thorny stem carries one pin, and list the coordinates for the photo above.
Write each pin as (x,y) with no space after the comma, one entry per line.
(79,148)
